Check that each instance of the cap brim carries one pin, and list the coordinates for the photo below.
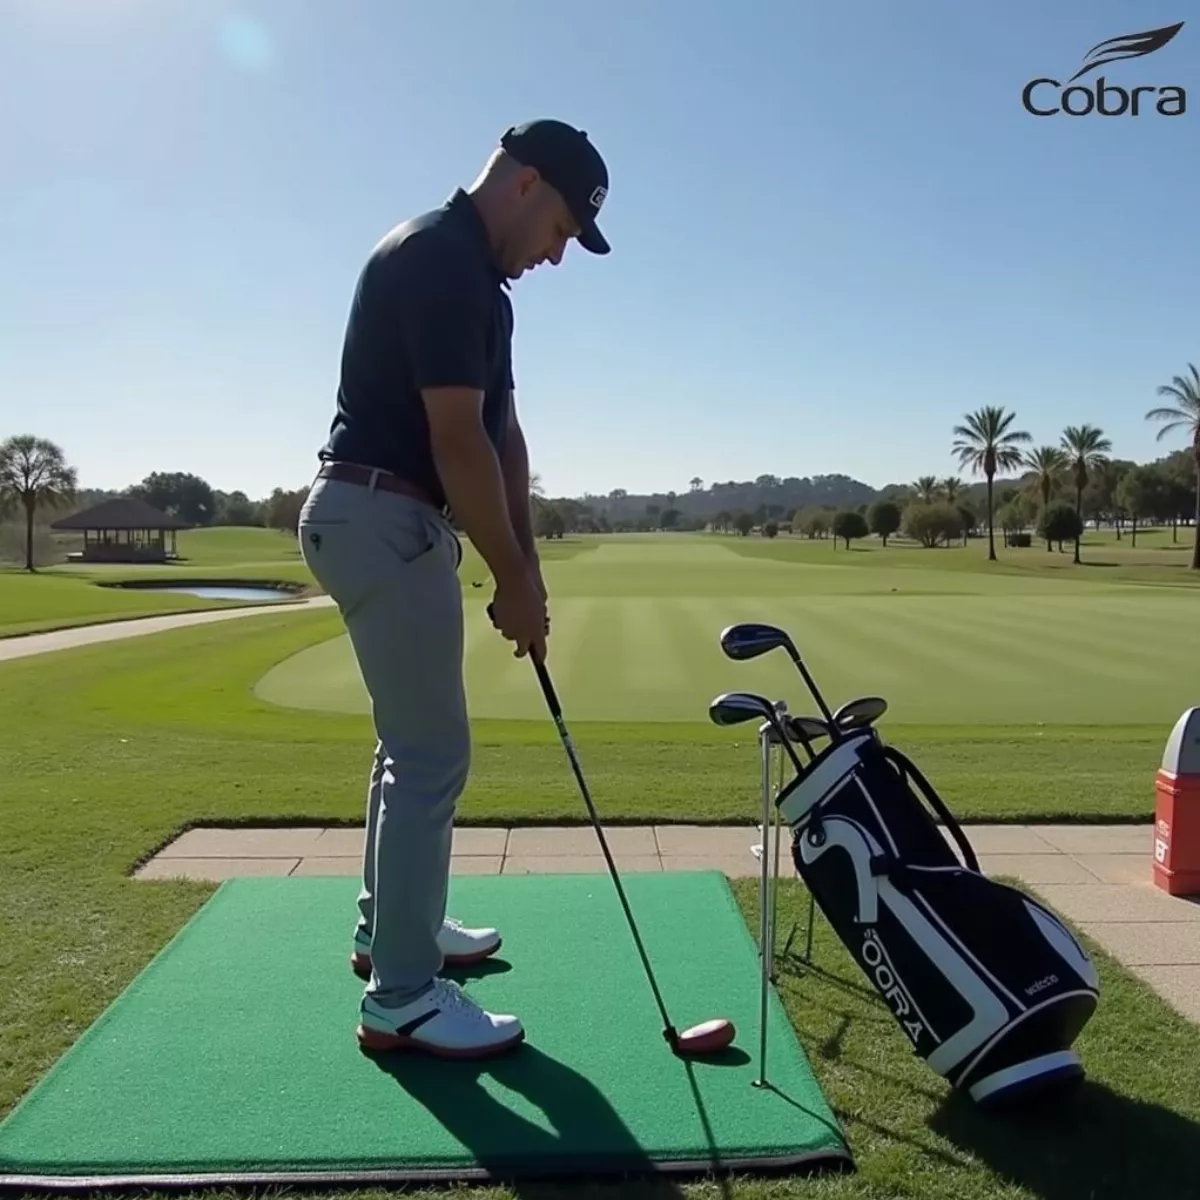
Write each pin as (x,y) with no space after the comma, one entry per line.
(592,240)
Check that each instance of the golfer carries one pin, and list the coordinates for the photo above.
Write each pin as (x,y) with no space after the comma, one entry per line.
(425,426)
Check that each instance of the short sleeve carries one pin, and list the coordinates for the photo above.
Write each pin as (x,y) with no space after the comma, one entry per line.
(443,316)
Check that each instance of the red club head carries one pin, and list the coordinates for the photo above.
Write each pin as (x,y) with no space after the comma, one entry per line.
(709,1037)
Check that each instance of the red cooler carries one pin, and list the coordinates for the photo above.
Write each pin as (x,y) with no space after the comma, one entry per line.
(1177,810)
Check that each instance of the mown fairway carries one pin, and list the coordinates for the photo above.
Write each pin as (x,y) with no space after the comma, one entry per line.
(636,625)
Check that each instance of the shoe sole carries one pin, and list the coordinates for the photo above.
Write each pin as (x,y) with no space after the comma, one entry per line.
(376,1040)
(360,964)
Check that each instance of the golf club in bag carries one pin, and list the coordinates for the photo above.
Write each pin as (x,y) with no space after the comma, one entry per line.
(989,986)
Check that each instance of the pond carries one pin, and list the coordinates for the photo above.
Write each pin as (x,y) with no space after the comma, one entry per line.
(223,592)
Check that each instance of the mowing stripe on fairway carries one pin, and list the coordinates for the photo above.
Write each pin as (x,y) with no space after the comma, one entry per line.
(658,659)
(636,626)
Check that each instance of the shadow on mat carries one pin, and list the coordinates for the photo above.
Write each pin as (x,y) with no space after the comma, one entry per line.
(585,1135)
(1086,1144)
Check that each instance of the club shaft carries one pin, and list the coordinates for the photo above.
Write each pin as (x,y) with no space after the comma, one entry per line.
(764,913)
(810,683)
(556,712)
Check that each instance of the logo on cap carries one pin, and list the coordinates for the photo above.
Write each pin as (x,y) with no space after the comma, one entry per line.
(597,197)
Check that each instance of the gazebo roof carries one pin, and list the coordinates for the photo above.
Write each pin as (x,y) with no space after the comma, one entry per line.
(125,512)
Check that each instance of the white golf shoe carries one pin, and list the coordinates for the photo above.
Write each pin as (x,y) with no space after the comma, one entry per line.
(460,946)
(444,1022)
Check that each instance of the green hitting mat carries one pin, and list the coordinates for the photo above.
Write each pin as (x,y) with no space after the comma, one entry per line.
(232,1058)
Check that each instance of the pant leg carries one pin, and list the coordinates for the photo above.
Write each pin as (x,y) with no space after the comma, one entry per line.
(366,895)
(391,565)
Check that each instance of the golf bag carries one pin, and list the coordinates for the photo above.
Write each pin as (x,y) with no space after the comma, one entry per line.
(988,985)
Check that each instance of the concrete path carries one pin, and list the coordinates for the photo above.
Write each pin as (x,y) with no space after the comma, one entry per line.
(23,645)
(1097,877)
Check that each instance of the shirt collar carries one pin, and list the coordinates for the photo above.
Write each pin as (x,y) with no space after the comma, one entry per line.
(463,207)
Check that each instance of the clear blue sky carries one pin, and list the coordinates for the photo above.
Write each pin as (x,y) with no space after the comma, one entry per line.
(835,228)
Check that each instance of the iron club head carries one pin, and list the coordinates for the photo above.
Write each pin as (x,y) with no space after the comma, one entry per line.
(807,729)
(732,708)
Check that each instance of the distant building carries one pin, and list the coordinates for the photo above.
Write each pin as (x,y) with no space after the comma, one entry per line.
(124,530)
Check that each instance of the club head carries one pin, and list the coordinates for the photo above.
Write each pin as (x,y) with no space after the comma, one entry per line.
(857,714)
(806,729)
(752,638)
(732,708)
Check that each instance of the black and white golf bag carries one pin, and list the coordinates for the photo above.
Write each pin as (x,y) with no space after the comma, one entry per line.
(989,986)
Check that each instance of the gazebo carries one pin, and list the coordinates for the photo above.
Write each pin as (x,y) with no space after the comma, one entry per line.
(124,530)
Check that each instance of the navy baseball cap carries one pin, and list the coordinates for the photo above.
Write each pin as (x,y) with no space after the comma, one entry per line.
(567,160)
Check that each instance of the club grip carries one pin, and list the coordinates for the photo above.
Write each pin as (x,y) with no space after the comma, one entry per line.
(542,674)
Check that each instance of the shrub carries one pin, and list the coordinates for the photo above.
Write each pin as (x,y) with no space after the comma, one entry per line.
(931,524)
(1059,523)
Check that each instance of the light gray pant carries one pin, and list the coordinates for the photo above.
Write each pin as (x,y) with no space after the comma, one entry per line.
(391,564)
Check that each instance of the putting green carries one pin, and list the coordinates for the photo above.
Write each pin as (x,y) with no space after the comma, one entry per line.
(636,628)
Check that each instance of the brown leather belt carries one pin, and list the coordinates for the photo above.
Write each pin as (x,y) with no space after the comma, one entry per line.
(385,481)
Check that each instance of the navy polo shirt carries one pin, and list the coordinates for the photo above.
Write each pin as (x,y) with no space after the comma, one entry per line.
(430,309)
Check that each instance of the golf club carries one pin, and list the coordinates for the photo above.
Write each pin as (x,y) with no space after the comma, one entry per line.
(807,730)
(708,1037)
(856,714)
(733,708)
(753,638)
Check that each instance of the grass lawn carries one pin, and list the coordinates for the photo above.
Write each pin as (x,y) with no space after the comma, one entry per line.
(110,751)
(69,594)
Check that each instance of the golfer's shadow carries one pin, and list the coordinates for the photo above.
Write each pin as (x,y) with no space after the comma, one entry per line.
(575,1131)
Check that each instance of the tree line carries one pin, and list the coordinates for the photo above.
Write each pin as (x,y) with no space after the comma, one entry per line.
(1057,487)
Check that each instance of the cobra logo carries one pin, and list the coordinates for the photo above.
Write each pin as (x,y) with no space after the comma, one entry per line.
(889,985)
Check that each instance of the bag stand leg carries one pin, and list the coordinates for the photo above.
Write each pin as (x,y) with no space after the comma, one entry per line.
(787,946)
(765,947)
(768,896)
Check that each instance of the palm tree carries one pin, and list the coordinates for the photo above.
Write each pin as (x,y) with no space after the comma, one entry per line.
(1049,465)
(985,443)
(1087,447)
(952,487)
(34,472)
(1185,415)
(926,488)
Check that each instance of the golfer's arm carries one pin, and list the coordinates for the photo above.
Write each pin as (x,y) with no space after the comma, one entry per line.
(472,477)
(515,466)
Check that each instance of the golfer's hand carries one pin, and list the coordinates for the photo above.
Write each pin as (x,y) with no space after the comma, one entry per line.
(535,569)
(518,611)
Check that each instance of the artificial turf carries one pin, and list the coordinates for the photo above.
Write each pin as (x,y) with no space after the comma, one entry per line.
(232,1056)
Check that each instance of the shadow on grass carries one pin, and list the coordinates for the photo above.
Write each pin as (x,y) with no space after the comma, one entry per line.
(1090,1145)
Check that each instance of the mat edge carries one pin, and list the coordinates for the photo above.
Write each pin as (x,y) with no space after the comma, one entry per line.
(828,1159)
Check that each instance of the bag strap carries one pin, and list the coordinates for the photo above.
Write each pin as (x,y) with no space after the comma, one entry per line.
(906,767)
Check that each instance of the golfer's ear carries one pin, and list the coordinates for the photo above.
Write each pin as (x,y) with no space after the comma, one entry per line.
(453,413)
